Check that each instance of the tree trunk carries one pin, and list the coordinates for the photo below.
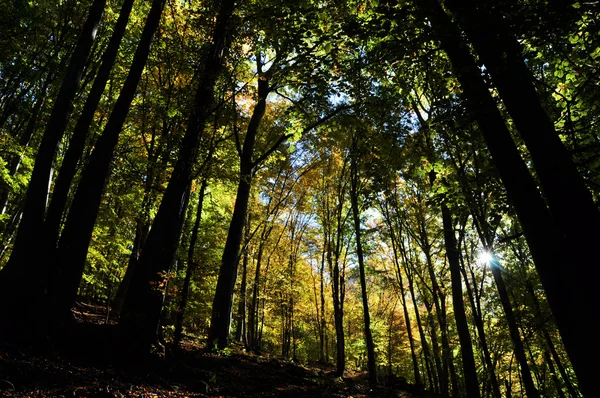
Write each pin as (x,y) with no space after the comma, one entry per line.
(432,376)
(570,202)
(253,315)
(477,316)
(75,238)
(323,357)
(337,283)
(240,331)
(514,331)
(77,142)
(338,310)
(545,243)
(29,232)
(361,266)
(403,297)
(443,371)
(435,347)
(24,140)
(191,265)
(549,342)
(466,346)
(143,305)
(223,300)
(141,233)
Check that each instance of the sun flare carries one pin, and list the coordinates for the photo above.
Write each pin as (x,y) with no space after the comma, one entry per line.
(485,257)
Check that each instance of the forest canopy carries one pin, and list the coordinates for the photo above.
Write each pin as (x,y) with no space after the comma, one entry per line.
(407,188)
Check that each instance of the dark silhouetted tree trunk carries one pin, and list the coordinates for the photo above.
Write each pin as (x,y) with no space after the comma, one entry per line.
(394,241)
(372,367)
(75,238)
(191,265)
(77,142)
(253,314)
(545,243)
(478,318)
(334,220)
(425,350)
(24,139)
(21,279)
(142,228)
(143,304)
(526,378)
(466,346)
(570,203)
(222,304)
(240,331)
(30,227)
(548,340)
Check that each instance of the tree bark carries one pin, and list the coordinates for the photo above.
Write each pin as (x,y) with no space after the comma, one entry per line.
(545,243)
(477,316)
(399,277)
(21,278)
(253,315)
(323,357)
(334,248)
(24,139)
(548,340)
(514,331)
(240,331)
(430,369)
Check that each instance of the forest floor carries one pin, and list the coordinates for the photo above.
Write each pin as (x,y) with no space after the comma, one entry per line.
(190,372)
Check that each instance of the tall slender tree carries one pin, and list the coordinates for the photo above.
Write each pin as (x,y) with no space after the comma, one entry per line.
(354,194)
(571,205)
(78,138)
(545,242)
(69,260)
(143,303)
(37,192)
